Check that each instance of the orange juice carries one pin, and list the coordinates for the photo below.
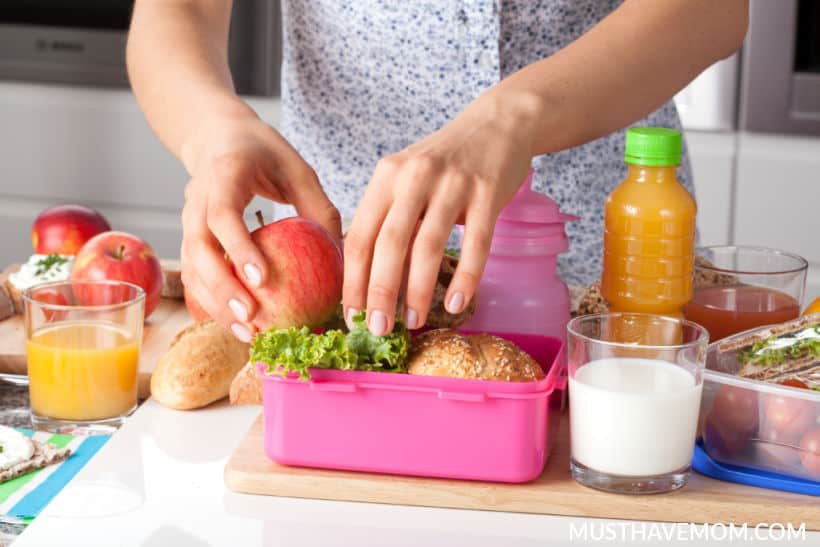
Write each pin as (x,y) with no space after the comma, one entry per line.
(82,371)
(649,229)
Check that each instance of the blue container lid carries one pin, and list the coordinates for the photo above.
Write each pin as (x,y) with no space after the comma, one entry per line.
(705,465)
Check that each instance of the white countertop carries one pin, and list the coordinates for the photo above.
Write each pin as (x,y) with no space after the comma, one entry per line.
(158,482)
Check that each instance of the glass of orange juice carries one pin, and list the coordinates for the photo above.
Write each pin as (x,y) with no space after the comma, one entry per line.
(82,345)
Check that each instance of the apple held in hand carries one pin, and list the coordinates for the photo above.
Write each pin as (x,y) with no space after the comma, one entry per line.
(194,309)
(118,256)
(304,285)
(64,229)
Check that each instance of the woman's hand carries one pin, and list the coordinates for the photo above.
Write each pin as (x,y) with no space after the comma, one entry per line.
(236,158)
(464,173)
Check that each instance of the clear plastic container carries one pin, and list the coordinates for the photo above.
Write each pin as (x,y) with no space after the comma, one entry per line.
(755,424)
(418,425)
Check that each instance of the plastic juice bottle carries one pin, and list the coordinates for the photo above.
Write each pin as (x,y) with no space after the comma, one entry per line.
(649,229)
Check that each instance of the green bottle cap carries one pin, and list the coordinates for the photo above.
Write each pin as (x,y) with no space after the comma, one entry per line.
(652,146)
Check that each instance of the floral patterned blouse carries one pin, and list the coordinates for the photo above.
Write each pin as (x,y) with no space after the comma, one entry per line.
(366,78)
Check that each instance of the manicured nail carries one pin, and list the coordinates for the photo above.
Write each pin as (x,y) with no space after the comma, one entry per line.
(351,313)
(377,323)
(241,332)
(252,274)
(239,310)
(456,303)
(411,318)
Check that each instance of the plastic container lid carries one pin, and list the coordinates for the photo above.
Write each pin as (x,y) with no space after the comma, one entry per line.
(533,207)
(653,146)
(705,465)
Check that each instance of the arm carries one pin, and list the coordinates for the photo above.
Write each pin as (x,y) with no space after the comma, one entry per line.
(622,69)
(177,59)
(178,65)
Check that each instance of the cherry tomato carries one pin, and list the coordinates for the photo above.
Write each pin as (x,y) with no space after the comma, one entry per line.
(777,452)
(778,457)
(722,441)
(791,417)
(736,408)
(810,451)
(791,382)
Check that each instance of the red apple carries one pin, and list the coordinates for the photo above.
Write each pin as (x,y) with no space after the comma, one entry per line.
(118,256)
(64,229)
(305,281)
(196,311)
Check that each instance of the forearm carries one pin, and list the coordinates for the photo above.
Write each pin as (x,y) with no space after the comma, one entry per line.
(177,64)
(622,69)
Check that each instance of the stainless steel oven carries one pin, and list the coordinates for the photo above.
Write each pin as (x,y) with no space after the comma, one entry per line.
(83,42)
(780,73)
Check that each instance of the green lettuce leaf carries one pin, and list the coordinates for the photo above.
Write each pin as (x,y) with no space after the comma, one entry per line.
(298,349)
(776,350)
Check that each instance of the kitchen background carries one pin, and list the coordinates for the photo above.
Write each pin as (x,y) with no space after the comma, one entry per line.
(72,132)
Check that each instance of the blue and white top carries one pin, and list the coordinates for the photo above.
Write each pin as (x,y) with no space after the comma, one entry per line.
(366,78)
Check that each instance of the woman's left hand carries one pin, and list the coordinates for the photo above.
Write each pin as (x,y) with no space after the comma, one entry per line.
(464,173)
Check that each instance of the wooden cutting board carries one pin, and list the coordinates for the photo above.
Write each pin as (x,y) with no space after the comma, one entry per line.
(554,493)
(165,322)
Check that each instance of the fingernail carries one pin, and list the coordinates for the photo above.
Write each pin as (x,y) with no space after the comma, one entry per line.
(351,313)
(456,303)
(411,318)
(252,274)
(239,310)
(241,332)
(377,323)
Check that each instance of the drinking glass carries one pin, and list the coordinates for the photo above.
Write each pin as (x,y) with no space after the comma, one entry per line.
(634,402)
(82,347)
(743,287)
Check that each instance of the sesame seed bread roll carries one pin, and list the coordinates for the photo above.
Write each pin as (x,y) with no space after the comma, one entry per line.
(445,352)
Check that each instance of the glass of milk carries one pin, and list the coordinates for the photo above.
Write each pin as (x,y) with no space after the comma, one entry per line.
(634,389)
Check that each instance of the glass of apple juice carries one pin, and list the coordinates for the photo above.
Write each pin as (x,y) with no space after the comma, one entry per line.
(82,347)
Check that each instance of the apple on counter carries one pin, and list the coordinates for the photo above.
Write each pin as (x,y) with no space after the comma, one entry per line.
(64,229)
(119,256)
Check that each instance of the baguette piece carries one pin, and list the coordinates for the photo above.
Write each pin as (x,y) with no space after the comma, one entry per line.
(171,278)
(198,367)
(246,387)
(444,352)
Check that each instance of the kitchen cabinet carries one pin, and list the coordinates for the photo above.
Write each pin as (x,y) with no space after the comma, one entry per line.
(712,156)
(89,146)
(777,196)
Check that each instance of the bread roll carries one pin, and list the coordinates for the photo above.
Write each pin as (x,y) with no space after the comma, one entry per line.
(171,278)
(444,352)
(198,367)
(438,316)
(246,387)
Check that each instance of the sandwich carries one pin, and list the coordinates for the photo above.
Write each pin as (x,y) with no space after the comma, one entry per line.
(20,454)
(788,352)
(38,269)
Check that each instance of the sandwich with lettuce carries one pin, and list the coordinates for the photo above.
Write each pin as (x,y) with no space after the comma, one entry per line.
(787,353)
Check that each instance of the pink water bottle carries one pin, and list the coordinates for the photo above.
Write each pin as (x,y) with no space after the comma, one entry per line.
(520,291)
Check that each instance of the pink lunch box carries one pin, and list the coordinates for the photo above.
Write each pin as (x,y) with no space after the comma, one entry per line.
(418,425)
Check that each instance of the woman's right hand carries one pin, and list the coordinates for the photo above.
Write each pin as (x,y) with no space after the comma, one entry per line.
(233,159)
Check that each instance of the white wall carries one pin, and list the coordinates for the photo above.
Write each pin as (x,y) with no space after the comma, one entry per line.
(91,146)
